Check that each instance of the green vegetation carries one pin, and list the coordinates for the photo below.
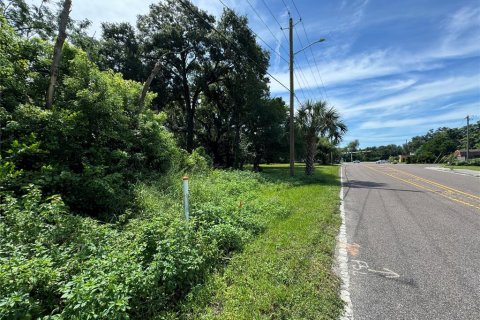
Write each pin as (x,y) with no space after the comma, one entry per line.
(56,263)
(437,146)
(286,273)
(318,120)
(91,217)
(468,167)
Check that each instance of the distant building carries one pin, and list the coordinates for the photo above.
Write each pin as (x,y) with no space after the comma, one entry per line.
(461,155)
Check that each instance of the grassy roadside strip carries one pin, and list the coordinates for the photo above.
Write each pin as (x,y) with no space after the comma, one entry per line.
(476,168)
(286,272)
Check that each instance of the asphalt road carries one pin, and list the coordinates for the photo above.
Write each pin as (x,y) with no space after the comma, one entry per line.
(413,242)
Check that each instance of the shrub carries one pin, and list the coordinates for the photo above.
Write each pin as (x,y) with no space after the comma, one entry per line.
(94,144)
(53,263)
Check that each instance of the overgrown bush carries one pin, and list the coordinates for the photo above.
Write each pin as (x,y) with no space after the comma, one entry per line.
(96,152)
(93,144)
(53,263)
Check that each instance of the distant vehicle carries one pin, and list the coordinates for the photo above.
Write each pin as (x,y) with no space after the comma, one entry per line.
(356,161)
(380,161)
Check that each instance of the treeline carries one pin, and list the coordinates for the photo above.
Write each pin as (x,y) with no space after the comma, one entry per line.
(124,102)
(209,76)
(91,222)
(439,145)
(435,146)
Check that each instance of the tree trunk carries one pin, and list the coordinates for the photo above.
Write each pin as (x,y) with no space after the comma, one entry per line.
(57,51)
(189,110)
(236,143)
(147,84)
(310,157)
(190,124)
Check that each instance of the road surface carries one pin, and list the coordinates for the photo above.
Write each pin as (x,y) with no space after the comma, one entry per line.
(413,242)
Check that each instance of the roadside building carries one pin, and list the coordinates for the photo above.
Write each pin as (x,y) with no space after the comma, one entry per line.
(461,155)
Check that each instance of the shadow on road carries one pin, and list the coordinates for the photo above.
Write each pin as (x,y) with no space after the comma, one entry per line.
(359,184)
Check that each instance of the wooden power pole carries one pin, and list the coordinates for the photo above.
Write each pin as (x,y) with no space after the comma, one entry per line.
(292,113)
(468,145)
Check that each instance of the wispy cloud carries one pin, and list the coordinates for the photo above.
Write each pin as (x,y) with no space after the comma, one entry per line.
(361,66)
(458,113)
(422,92)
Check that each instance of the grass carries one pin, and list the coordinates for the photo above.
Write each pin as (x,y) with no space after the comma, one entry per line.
(285,273)
(476,168)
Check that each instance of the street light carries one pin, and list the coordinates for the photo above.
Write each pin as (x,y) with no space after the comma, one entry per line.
(292,94)
(311,44)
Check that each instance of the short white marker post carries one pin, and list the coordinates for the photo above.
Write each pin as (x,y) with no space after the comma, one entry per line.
(185,196)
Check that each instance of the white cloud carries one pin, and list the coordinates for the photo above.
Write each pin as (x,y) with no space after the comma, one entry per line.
(438,120)
(422,92)
(464,19)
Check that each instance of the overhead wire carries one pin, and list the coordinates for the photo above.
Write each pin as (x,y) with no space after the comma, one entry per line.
(298,71)
(309,65)
(258,36)
(296,78)
(296,97)
(276,39)
(266,25)
(315,62)
(288,9)
(182,2)
(311,50)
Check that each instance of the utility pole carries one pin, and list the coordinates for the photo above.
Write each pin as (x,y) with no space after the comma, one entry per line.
(468,146)
(292,113)
(292,93)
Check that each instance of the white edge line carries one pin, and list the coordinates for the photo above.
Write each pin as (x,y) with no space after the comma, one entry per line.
(341,258)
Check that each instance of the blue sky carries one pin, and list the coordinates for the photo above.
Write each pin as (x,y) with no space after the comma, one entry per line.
(394,69)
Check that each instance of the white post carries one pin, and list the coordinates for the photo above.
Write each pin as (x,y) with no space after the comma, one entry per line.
(185,196)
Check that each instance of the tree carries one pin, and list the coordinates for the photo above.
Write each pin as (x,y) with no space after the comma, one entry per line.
(120,50)
(317,119)
(226,107)
(28,21)
(57,50)
(180,33)
(265,130)
(353,145)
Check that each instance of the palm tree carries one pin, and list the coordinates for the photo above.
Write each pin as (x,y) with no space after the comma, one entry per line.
(317,119)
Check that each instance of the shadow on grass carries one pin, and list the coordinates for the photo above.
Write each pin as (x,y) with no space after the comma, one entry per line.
(281,173)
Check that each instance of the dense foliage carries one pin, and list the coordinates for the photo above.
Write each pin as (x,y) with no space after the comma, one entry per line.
(435,146)
(91,219)
(440,144)
(92,145)
(54,263)
(318,120)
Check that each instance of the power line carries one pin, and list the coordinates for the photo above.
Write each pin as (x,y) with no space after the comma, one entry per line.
(182,2)
(265,42)
(296,9)
(276,39)
(266,25)
(297,79)
(288,9)
(315,62)
(309,65)
(311,50)
(275,18)
(299,72)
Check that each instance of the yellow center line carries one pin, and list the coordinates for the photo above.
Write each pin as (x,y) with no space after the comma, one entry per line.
(425,188)
(437,184)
